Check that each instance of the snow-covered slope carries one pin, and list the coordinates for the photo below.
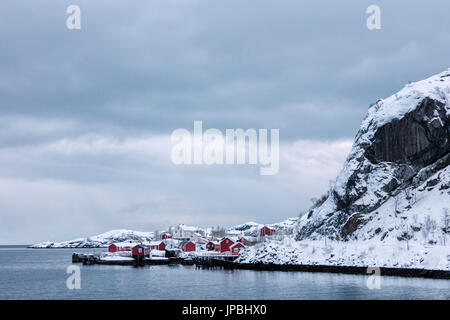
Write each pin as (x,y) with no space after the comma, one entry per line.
(393,193)
(369,253)
(101,240)
(252,228)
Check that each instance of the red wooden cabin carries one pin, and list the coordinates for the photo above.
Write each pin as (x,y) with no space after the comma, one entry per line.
(266,231)
(157,245)
(225,244)
(112,248)
(165,236)
(237,247)
(187,246)
(140,250)
(121,247)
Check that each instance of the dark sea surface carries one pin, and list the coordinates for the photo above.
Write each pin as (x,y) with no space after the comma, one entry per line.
(42,274)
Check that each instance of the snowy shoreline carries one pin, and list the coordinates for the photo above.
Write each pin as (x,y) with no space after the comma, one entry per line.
(368,253)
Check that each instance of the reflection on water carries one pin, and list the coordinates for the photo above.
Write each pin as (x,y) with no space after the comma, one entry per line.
(41,274)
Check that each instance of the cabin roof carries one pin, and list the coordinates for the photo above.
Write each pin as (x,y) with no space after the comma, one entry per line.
(125,244)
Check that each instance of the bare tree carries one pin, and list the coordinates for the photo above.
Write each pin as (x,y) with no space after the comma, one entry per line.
(407,237)
(407,194)
(219,232)
(445,224)
(410,195)
(396,203)
(429,226)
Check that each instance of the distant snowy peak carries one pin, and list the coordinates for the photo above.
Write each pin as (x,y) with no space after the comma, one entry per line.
(402,144)
(247,227)
(123,234)
(253,228)
(101,240)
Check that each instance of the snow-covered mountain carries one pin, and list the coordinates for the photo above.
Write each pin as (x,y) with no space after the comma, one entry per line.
(396,177)
(101,240)
(392,195)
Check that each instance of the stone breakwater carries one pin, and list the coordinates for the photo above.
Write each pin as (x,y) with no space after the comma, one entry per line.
(400,272)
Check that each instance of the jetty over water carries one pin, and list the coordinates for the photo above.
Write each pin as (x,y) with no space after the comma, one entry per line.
(90,258)
(212,261)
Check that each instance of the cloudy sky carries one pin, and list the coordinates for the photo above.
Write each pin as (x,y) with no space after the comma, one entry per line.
(86,115)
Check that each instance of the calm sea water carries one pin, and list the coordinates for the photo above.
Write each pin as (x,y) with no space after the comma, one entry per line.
(41,274)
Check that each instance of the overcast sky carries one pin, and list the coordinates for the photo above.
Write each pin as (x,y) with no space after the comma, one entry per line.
(86,115)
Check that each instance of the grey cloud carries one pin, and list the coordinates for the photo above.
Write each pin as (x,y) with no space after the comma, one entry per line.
(143,68)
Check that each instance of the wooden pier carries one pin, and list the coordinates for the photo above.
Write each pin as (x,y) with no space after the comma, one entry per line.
(137,261)
(227,262)
(214,262)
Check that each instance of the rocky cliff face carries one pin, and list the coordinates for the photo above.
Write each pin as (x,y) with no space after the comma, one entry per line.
(395,182)
(418,139)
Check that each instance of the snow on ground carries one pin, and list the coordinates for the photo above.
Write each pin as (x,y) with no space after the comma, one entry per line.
(157,258)
(157,253)
(369,253)
(116,258)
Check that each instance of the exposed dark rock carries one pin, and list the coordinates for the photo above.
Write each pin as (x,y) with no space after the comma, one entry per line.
(404,236)
(432,182)
(413,139)
(352,224)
